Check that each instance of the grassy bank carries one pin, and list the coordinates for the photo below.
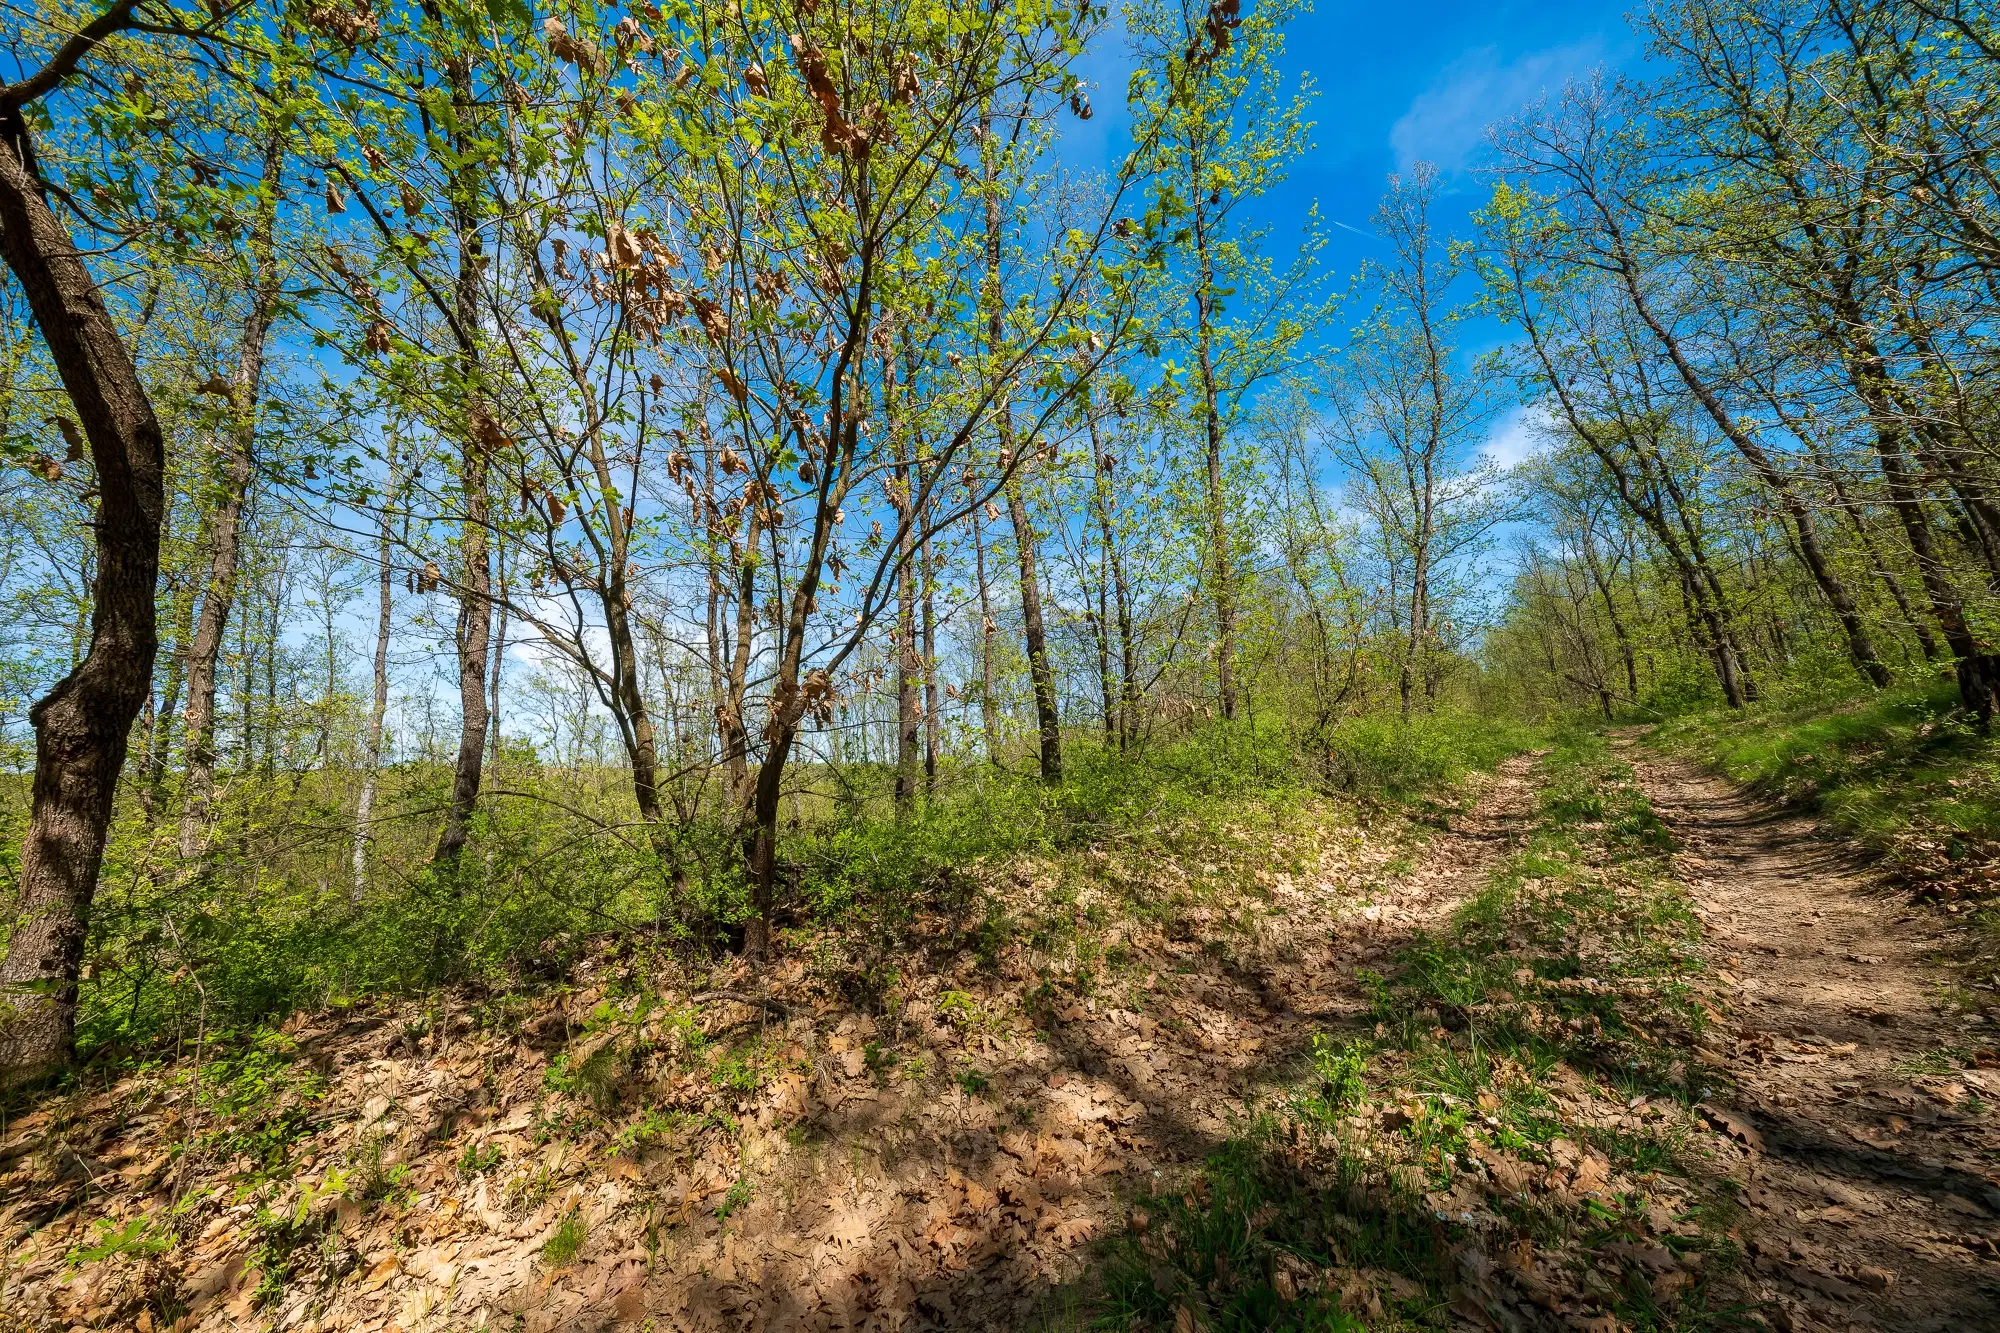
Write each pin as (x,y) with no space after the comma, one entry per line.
(1508,1138)
(271,921)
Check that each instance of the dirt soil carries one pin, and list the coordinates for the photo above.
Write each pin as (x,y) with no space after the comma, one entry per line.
(1869,1155)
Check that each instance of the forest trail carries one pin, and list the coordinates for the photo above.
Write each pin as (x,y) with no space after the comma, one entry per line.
(1870,1162)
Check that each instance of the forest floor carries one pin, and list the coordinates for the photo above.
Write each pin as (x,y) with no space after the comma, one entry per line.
(940,1138)
(1871,1152)
(1508,1062)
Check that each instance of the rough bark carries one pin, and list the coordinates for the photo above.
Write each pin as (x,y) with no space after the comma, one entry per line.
(226,519)
(473,631)
(1707,623)
(1040,675)
(1860,649)
(929,610)
(82,725)
(909,668)
(499,659)
(1618,630)
(1926,643)
(1218,511)
(989,724)
(1033,631)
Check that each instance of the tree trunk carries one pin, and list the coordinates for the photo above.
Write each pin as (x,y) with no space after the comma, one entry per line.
(1926,643)
(1419,625)
(1100,625)
(634,719)
(930,666)
(1101,467)
(473,633)
(1644,504)
(989,724)
(1978,673)
(273,648)
(499,659)
(83,724)
(378,706)
(1040,675)
(1603,586)
(1218,509)
(225,523)
(1860,650)
(908,667)
(1128,650)
(1979,689)
(160,742)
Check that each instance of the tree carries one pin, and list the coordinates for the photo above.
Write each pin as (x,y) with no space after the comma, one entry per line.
(1408,423)
(1225,133)
(82,725)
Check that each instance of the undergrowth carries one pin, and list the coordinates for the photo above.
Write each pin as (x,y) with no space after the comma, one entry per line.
(270,922)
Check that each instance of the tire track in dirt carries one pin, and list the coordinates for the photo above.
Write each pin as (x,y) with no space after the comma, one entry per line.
(1870,1169)
(1240,1021)
(1311,959)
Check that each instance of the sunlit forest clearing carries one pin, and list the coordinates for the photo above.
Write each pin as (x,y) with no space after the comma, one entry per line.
(810,665)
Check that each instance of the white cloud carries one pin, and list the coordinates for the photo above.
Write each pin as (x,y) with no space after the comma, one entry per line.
(1446,123)
(1520,434)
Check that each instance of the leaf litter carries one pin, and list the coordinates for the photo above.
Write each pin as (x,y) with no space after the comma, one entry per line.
(1020,1118)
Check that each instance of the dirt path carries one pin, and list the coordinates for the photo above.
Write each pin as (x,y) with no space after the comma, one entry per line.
(1325,930)
(1870,1159)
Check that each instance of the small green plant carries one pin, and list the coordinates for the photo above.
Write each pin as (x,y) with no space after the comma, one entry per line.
(962,1011)
(1380,1000)
(529,1188)
(592,1078)
(262,1099)
(733,1198)
(989,939)
(1337,1074)
(743,1069)
(478,1158)
(284,1238)
(566,1241)
(878,1058)
(973,1082)
(1943,1060)
(655,1126)
(374,1179)
(135,1236)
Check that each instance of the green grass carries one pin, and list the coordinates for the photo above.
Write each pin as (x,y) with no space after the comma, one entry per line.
(566,1241)
(1246,1246)
(269,923)
(1878,765)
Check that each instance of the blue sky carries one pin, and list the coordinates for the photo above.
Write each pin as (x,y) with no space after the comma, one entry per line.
(1398,84)
(1403,83)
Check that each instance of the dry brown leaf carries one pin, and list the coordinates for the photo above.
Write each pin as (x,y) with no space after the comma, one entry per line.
(1733,1125)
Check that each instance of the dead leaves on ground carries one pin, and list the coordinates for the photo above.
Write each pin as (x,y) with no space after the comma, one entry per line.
(586,1160)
